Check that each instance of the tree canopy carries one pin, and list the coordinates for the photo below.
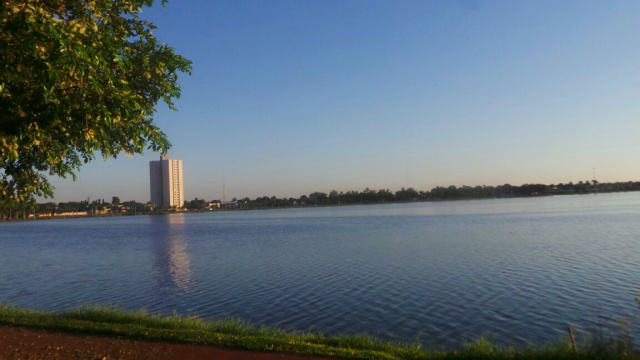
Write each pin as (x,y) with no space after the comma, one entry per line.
(78,78)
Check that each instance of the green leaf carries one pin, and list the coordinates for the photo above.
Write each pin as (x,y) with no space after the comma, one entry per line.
(57,67)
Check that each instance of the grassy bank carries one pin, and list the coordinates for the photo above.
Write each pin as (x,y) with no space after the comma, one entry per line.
(239,335)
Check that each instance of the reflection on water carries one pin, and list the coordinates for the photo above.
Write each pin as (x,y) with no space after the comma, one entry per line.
(170,251)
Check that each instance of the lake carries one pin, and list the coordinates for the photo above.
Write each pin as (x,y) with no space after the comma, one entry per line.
(520,270)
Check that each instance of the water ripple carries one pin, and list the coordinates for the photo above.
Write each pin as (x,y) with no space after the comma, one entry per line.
(521,270)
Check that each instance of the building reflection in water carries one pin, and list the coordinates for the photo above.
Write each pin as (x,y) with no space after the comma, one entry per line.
(172,264)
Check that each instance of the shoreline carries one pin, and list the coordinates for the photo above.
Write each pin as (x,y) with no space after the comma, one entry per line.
(96,332)
(159,213)
(27,343)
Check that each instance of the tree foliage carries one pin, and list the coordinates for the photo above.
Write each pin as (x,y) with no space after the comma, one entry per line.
(78,78)
(195,204)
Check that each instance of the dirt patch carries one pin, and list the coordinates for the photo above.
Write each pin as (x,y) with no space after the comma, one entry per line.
(28,344)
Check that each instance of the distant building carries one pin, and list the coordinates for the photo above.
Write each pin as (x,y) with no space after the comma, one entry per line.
(167,188)
(233,204)
(214,205)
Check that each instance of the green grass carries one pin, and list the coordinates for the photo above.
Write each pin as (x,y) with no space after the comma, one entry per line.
(230,333)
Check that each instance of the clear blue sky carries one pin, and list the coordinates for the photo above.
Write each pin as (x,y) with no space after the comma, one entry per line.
(288,97)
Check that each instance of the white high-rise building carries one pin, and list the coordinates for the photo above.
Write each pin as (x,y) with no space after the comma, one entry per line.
(167,188)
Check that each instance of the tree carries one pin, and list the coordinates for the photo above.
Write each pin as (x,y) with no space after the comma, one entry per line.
(333,197)
(318,198)
(78,77)
(195,204)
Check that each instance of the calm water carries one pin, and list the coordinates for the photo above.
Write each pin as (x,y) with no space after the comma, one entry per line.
(518,269)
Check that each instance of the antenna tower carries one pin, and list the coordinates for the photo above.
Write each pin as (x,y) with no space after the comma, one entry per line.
(406,172)
(224,191)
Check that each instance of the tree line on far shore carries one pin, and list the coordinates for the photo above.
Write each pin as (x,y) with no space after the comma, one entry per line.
(439,193)
(14,210)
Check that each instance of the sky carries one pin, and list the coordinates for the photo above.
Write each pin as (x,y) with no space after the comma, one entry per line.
(290,97)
